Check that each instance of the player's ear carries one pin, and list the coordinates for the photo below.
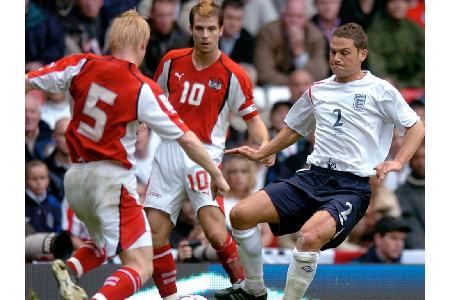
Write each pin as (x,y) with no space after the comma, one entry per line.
(363,54)
(221,30)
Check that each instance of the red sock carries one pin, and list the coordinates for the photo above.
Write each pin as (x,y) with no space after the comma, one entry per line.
(120,285)
(164,271)
(229,258)
(86,258)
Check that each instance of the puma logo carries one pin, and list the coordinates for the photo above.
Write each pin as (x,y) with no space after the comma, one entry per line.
(178,75)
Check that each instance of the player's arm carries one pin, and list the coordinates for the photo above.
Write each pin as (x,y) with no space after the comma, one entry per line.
(258,130)
(284,139)
(197,152)
(412,140)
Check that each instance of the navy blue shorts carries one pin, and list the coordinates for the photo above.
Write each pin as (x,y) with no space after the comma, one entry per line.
(344,195)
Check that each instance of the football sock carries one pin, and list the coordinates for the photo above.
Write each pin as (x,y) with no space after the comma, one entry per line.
(250,248)
(165,272)
(229,258)
(120,285)
(86,258)
(300,274)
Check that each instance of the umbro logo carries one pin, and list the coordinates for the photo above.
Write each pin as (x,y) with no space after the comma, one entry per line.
(307,269)
(178,75)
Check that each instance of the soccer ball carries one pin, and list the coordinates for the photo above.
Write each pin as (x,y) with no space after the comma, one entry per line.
(193,297)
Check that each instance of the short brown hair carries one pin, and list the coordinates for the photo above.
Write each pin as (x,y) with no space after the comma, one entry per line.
(206,8)
(34,163)
(128,30)
(355,32)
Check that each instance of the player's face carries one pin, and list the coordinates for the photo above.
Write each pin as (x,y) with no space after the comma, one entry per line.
(37,180)
(345,58)
(32,114)
(206,33)
(391,244)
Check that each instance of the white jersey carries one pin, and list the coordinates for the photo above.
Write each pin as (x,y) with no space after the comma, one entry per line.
(354,122)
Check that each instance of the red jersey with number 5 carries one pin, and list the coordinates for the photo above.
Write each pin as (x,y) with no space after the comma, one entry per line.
(204,99)
(109,97)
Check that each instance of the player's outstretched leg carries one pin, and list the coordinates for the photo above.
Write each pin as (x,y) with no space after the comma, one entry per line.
(244,217)
(315,233)
(86,258)
(137,269)
(165,272)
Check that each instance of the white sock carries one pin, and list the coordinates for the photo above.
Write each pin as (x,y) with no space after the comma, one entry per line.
(300,274)
(250,248)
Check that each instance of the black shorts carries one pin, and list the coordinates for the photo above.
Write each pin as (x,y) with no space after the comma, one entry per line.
(344,195)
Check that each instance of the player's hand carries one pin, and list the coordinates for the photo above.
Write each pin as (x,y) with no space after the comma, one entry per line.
(219,186)
(268,161)
(386,167)
(141,128)
(246,151)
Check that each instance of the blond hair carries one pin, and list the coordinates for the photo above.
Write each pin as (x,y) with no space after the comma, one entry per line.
(128,30)
(206,8)
(250,165)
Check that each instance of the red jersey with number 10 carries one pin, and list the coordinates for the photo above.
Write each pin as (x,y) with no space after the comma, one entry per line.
(109,97)
(204,99)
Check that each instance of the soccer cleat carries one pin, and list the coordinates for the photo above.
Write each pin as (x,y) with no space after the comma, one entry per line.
(239,294)
(67,287)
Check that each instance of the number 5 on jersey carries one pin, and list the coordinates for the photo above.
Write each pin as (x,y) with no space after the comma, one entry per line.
(195,93)
(96,93)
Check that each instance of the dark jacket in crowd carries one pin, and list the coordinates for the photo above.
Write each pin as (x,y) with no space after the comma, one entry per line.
(44,216)
(44,38)
(243,50)
(43,141)
(371,257)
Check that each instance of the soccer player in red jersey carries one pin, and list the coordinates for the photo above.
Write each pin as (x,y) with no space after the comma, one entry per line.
(205,87)
(110,96)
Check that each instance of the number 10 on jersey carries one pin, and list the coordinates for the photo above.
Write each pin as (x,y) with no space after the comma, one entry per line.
(194,95)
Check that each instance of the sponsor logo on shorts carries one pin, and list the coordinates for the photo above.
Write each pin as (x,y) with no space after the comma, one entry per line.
(154,194)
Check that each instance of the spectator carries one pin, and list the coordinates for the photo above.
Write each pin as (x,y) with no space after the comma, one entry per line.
(236,42)
(288,44)
(185,223)
(240,174)
(389,242)
(55,107)
(42,209)
(299,82)
(38,135)
(411,196)
(397,46)
(59,161)
(257,13)
(44,39)
(362,12)
(166,35)
(419,107)
(394,179)
(327,18)
(85,27)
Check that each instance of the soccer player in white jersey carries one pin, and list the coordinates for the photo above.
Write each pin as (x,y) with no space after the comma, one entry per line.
(110,97)
(354,114)
(205,87)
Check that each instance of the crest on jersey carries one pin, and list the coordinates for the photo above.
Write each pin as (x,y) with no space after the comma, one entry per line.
(215,84)
(359,102)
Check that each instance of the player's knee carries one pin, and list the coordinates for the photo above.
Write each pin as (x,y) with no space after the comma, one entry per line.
(238,218)
(309,240)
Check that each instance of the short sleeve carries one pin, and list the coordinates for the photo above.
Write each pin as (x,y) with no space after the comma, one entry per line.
(395,110)
(300,117)
(241,97)
(155,110)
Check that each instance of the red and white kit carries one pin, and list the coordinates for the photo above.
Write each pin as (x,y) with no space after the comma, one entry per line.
(108,96)
(204,100)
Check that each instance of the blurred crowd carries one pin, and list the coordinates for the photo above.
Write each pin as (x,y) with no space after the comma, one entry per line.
(281,43)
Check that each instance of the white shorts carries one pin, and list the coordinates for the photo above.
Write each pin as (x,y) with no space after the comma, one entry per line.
(103,196)
(174,178)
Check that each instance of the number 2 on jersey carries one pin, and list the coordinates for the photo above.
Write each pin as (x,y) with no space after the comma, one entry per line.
(338,122)
(195,93)
(96,93)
